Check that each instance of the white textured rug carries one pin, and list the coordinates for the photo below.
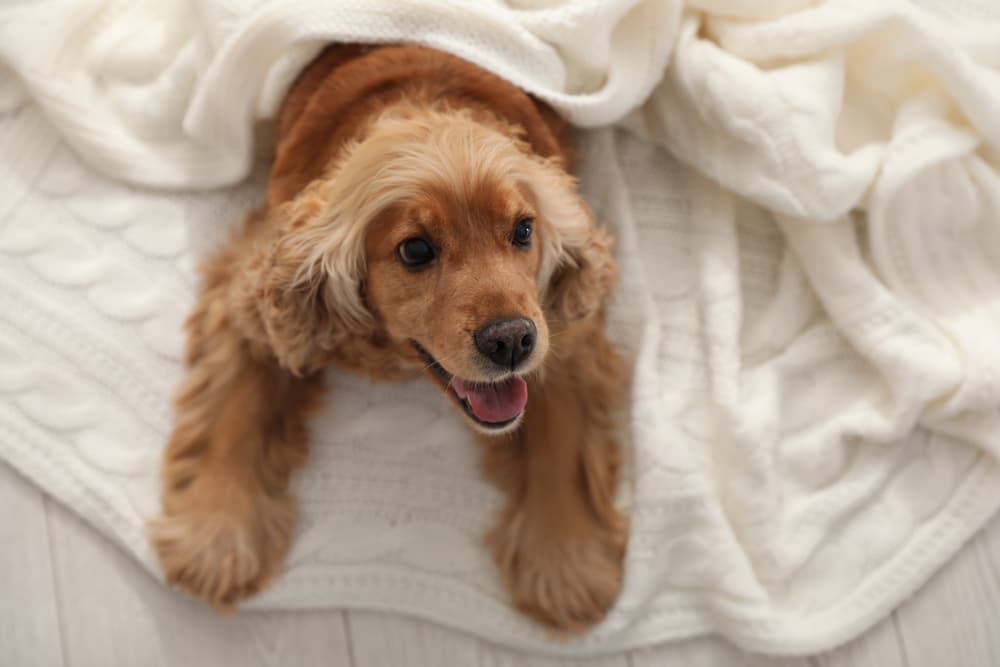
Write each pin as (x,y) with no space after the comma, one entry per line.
(811,301)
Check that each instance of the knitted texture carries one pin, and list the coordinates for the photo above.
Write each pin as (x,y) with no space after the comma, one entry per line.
(809,302)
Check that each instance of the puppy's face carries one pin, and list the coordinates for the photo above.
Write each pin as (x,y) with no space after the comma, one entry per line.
(454,272)
(448,237)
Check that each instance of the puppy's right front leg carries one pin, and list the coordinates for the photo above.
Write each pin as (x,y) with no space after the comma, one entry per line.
(227,516)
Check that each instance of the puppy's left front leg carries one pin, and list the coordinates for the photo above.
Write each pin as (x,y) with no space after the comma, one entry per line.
(560,541)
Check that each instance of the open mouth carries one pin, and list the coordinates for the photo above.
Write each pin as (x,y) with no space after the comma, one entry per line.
(492,405)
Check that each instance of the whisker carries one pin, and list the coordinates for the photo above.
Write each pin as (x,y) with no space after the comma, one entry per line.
(438,362)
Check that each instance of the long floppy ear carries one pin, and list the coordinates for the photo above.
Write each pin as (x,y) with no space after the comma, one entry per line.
(578,266)
(300,288)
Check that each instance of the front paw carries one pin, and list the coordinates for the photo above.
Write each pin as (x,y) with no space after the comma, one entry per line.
(566,579)
(222,545)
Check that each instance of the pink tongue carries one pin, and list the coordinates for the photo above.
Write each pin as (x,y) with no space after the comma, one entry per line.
(494,403)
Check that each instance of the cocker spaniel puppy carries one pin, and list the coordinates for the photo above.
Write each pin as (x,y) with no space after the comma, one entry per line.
(418,219)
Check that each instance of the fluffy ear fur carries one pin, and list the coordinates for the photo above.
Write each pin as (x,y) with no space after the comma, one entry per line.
(578,268)
(297,297)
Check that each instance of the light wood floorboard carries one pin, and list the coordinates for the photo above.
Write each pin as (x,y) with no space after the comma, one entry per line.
(955,618)
(29,619)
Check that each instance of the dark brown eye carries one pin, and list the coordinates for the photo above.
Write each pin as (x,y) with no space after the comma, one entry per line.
(415,253)
(522,232)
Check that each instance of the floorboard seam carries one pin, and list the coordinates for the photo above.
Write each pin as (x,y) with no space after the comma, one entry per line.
(47,510)
(346,616)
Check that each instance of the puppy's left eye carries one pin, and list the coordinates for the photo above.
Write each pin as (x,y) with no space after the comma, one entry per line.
(415,253)
(522,232)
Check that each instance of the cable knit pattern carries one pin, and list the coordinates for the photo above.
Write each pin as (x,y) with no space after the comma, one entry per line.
(810,295)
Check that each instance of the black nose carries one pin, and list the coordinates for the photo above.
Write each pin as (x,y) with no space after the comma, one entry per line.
(507,342)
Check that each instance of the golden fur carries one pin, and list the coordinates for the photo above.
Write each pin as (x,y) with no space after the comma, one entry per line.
(378,145)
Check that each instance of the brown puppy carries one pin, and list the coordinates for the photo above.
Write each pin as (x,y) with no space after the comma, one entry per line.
(418,218)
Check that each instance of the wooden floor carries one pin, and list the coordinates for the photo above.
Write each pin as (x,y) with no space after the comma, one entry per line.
(69,597)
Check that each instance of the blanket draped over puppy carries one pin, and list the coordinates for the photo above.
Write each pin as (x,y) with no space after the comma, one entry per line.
(810,292)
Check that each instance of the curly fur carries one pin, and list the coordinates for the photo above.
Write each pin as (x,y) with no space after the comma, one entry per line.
(375,143)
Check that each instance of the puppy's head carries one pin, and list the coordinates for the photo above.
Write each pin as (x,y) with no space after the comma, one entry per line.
(451,239)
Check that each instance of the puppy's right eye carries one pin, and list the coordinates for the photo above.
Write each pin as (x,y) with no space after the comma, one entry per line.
(415,253)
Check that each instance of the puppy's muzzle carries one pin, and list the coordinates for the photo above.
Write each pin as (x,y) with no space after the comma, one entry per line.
(506,342)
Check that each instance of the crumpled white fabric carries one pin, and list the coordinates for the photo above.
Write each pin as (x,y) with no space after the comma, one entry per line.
(166,94)
(810,293)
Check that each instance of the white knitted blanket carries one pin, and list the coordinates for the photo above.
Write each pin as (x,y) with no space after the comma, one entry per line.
(811,293)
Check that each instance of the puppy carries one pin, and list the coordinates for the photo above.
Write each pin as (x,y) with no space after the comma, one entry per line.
(418,219)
